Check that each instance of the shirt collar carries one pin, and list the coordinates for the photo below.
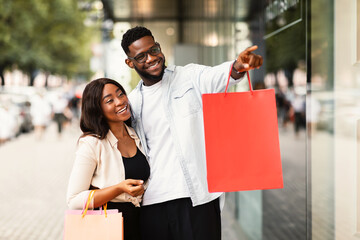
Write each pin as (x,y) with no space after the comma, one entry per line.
(131,132)
(113,140)
(170,68)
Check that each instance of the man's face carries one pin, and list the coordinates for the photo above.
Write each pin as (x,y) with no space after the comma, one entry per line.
(151,67)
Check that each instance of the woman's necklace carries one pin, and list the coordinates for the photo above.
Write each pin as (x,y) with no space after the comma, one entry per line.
(125,140)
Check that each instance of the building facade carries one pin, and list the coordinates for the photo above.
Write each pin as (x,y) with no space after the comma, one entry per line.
(311,55)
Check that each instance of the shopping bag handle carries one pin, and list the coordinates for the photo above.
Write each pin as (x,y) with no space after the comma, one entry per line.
(228,80)
(90,197)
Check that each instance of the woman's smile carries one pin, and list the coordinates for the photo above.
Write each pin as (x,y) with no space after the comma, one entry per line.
(115,104)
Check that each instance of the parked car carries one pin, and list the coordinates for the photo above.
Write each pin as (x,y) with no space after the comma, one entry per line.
(9,123)
(17,104)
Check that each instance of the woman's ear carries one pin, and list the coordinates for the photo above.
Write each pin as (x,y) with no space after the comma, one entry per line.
(129,63)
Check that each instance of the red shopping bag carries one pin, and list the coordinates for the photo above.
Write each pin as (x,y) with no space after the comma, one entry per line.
(242,140)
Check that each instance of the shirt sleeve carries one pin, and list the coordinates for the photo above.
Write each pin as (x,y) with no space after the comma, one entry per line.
(214,79)
(81,175)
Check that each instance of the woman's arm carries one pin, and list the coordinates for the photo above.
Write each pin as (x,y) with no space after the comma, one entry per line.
(81,177)
(131,186)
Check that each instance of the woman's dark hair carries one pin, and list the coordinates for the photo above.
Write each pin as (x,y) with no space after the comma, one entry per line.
(92,120)
(132,35)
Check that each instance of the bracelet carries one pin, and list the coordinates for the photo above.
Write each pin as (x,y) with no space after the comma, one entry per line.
(234,69)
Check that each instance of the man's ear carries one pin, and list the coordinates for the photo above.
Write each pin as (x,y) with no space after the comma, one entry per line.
(129,63)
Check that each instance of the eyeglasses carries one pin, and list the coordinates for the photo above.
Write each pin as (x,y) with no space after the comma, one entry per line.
(141,57)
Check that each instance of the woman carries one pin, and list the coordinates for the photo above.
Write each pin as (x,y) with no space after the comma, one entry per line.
(109,155)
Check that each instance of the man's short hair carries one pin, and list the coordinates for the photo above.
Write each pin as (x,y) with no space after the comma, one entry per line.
(132,35)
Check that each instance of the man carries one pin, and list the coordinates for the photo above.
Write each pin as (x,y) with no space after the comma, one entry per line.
(167,115)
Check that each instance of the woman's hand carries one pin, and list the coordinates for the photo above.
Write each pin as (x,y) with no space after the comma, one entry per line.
(132,187)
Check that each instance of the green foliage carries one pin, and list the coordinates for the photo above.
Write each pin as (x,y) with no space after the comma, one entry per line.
(46,35)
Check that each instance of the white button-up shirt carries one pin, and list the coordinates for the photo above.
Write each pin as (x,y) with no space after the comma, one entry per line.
(182,102)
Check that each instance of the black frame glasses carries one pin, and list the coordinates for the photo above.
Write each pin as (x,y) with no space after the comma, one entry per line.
(142,57)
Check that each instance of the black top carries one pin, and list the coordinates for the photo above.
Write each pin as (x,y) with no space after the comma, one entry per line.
(136,167)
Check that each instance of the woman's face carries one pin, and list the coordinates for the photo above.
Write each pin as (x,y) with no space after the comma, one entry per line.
(114,104)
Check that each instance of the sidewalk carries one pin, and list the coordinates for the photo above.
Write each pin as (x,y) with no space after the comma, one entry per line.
(34,180)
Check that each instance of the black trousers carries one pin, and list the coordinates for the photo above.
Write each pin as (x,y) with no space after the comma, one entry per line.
(131,215)
(179,220)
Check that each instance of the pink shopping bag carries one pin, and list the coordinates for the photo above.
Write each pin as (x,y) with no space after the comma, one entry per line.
(93,224)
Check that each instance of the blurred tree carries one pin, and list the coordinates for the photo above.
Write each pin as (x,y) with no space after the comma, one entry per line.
(66,39)
(47,35)
(9,24)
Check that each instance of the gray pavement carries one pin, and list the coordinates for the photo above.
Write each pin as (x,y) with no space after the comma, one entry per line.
(33,181)
(33,185)
(284,210)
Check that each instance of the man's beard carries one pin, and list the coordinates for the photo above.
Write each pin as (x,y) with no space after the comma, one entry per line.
(152,78)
